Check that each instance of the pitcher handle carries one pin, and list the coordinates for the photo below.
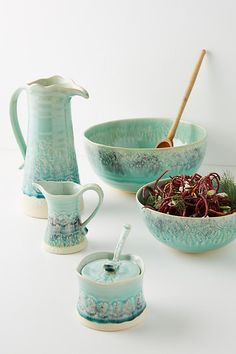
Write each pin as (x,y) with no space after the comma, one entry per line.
(15,122)
(98,190)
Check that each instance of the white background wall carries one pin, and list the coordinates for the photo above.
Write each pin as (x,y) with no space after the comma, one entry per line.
(134,58)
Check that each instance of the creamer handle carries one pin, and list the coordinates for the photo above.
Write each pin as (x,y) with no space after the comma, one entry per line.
(98,190)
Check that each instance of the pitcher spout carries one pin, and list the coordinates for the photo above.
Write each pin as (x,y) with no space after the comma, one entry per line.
(57,189)
(75,89)
(60,84)
(40,186)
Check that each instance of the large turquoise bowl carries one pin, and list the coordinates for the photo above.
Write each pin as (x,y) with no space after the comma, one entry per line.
(191,235)
(123,153)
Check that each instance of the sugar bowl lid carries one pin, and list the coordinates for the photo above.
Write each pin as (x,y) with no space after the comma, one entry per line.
(98,272)
(107,268)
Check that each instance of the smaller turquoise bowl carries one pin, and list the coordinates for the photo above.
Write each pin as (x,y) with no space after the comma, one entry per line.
(123,153)
(191,235)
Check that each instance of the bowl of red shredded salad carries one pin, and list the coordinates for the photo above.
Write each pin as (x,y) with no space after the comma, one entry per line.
(190,213)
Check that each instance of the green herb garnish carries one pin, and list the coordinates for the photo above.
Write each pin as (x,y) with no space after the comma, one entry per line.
(228,186)
(178,202)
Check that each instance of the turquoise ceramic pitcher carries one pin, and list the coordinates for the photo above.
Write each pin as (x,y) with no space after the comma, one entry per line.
(65,232)
(49,153)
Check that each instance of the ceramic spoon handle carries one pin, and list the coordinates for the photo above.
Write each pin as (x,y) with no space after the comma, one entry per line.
(121,242)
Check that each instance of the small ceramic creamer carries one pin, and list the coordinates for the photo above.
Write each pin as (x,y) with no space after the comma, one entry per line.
(65,232)
(110,300)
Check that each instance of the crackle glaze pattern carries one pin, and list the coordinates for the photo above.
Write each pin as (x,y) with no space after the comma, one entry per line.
(122,152)
(64,230)
(49,160)
(193,235)
(113,311)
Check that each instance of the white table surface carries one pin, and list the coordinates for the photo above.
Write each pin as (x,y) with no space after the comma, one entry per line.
(191,299)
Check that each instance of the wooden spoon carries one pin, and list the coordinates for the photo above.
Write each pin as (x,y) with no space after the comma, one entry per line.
(168,142)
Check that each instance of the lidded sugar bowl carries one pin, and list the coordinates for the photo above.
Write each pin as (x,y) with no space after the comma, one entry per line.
(110,289)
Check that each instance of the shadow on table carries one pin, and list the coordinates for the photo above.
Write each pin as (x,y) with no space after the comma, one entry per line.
(161,323)
(223,257)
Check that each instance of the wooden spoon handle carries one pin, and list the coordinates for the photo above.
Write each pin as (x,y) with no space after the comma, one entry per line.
(175,124)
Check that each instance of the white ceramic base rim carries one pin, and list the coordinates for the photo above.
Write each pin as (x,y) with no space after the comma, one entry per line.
(66,250)
(112,327)
(37,207)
